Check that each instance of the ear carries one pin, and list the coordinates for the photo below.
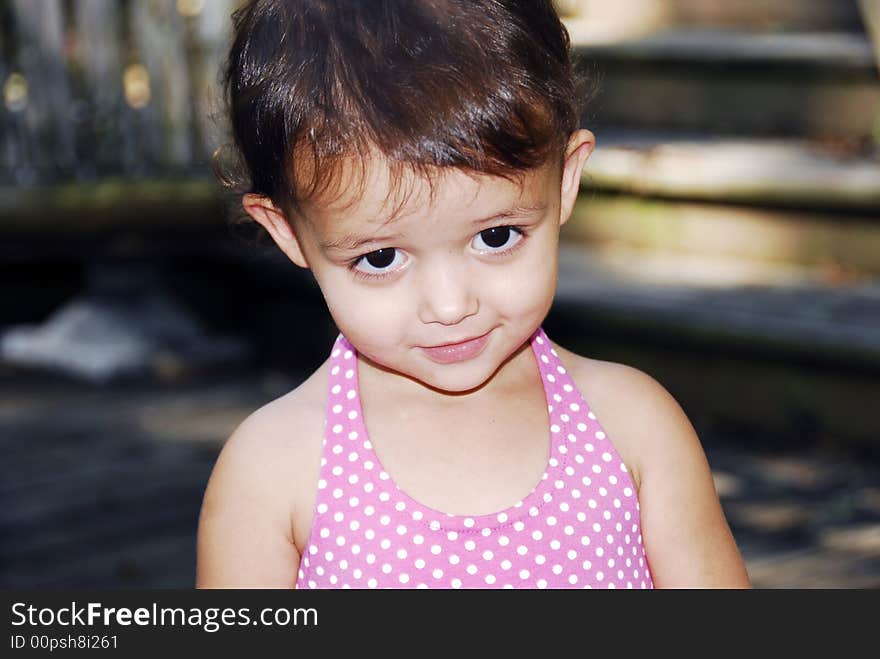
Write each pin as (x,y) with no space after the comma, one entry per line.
(272,219)
(580,146)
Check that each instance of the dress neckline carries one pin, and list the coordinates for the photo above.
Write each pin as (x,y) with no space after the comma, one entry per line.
(553,378)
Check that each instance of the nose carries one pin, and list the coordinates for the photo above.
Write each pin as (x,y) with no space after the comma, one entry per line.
(448,295)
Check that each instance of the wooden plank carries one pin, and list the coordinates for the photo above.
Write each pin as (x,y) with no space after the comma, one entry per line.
(819,241)
(768,172)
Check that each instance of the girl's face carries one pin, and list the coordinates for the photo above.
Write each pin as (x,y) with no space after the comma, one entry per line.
(476,263)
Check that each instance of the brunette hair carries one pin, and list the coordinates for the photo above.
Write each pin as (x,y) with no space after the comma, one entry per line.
(484,86)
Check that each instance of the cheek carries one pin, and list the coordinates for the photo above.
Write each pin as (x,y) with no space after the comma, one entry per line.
(527,285)
(362,312)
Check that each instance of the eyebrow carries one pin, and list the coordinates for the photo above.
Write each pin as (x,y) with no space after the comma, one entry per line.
(351,242)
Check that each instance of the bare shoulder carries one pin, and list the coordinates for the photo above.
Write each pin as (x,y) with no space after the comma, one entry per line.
(642,419)
(262,484)
(684,530)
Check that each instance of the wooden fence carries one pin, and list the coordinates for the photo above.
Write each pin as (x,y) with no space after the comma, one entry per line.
(98,88)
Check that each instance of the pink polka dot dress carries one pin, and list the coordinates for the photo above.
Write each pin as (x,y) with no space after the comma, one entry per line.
(578,528)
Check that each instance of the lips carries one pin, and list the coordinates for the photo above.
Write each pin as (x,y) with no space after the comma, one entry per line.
(449,353)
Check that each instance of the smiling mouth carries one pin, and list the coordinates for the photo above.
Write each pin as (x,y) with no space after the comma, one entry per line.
(456,352)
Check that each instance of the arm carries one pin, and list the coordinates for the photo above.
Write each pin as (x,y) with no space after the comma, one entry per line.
(245,535)
(686,536)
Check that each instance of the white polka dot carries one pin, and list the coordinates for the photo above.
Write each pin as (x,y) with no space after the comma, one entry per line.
(503,540)
(456,583)
(468,522)
(420,563)
(471,569)
(418,539)
(542,583)
(537,535)
(488,555)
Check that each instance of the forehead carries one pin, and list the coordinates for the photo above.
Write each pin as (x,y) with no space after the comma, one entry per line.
(371,194)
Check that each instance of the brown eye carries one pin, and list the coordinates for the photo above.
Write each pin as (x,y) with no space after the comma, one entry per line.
(496,236)
(379,262)
(497,239)
(381,258)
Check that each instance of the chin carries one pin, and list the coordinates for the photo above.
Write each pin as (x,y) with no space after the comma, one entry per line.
(458,378)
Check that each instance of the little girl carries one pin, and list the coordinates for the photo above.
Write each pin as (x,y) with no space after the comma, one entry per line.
(420,157)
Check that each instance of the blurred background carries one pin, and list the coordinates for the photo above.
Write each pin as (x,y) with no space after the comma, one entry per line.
(726,241)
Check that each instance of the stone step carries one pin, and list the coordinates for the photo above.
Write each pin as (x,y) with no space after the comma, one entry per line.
(787,173)
(750,202)
(628,16)
(768,348)
(733,82)
(782,308)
